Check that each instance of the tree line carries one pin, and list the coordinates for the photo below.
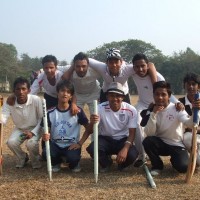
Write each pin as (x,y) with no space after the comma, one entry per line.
(173,68)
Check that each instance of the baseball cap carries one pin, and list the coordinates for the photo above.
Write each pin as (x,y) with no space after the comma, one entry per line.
(116,87)
(113,53)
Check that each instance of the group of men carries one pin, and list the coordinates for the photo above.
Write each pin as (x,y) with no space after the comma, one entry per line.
(129,132)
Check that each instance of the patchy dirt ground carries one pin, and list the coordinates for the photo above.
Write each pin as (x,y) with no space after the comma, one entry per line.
(32,184)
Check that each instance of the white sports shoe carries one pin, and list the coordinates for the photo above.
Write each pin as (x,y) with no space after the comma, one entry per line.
(155,172)
(76,169)
(56,168)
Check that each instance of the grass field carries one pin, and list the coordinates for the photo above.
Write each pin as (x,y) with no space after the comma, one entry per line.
(32,184)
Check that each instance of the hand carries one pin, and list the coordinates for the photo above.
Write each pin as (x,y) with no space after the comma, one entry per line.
(94,118)
(28,134)
(157,108)
(46,136)
(74,146)
(11,100)
(196,104)
(74,109)
(179,106)
(121,156)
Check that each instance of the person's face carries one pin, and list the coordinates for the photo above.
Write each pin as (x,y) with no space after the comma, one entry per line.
(21,92)
(140,67)
(81,67)
(191,87)
(115,100)
(114,66)
(161,97)
(50,69)
(64,95)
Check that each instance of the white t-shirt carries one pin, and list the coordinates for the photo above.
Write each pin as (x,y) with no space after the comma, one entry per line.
(116,124)
(43,82)
(125,72)
(25,116)
(145,88)
(87,84)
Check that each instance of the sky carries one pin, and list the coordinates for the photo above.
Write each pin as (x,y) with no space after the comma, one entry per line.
(65,27)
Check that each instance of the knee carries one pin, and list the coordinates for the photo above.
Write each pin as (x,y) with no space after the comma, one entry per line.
(90,149)
(32,144)
(146,142)
(74,157)
(12,143)
(132,154)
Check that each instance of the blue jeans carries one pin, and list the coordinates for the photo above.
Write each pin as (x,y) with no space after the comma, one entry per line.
(155,147)
(72,156)
(108,146)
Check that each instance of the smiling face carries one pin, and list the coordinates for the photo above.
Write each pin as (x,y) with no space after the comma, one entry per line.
(21,91)
(115,100)
(191,88)
(161,97)
(49,69)
(114,65)
(81,67)
(140,67)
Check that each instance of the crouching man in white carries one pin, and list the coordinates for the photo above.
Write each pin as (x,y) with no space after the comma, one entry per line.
(26,114)
(163,125)
(117,126)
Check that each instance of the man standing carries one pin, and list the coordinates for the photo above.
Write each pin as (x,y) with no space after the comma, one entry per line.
(26,114)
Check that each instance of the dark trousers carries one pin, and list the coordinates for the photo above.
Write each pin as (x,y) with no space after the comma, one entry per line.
(103,97)
(72,156)
(107,147)
(155,147)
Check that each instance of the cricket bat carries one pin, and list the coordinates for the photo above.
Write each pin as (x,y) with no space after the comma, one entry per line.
(193,153)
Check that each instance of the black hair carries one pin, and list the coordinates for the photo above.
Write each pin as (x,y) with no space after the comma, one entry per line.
(162,84)
(81,56)
(140,56)
(191,77)
(49,58)
(65,84)
(21,80)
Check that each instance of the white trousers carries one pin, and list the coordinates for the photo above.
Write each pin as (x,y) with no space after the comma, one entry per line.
(32,146)
(187,140)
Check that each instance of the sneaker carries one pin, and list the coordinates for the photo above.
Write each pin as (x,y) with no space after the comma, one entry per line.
(56,168)
(155,172)
(105,169)
(139,163)
(76,169)
(23,163)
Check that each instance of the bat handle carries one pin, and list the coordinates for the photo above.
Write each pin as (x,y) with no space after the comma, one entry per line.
(196,110)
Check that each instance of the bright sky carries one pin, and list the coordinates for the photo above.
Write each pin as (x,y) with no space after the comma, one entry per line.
(65,27)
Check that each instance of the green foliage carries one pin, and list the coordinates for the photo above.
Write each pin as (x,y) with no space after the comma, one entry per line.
(172,68)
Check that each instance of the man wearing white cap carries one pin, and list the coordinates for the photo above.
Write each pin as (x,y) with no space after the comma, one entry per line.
(117,126)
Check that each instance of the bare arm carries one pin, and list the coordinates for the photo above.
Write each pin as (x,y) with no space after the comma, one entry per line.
(152,72)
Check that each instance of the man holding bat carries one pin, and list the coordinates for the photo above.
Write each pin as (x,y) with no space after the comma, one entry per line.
(191,83)
(163,125)
(117,126)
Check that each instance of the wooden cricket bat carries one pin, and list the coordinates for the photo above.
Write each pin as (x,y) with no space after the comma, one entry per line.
(1,138)
(193,153)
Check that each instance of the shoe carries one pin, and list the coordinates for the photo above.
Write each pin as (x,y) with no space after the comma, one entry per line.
(105,169)
(155,172)
(56,168)
(139,163)
(23,163)
(76,169)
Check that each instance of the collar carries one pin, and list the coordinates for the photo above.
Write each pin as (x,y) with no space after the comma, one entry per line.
(28,102)
(187,102)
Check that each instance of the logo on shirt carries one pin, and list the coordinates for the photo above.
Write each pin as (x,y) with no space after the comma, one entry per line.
(62,133)
(170,117)
(121,117)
